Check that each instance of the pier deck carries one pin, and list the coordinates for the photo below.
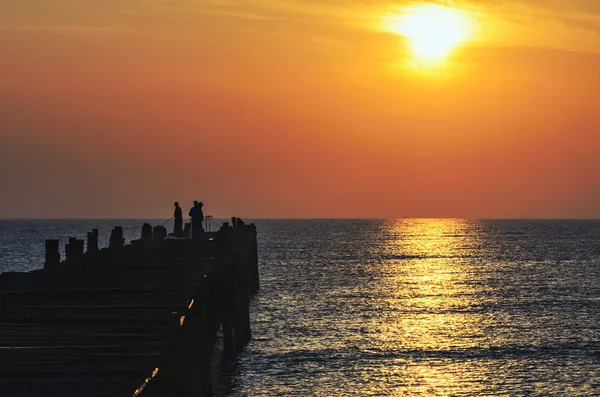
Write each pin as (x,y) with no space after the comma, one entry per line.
(134,320)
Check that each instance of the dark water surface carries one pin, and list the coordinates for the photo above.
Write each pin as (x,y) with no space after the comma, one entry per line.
(403,307)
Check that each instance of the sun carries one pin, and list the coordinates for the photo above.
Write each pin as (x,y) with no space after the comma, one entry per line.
(434,31)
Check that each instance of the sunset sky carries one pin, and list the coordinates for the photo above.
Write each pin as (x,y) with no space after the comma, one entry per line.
(292,109)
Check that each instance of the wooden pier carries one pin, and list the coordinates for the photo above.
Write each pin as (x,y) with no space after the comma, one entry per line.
(127,320)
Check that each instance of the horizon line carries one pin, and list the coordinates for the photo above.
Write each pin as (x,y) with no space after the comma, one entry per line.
(306,218)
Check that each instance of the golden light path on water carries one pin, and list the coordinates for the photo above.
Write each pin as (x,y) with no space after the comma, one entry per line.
(428,304)
(397,324)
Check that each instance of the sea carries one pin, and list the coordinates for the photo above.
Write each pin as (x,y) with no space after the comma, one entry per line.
(402,307)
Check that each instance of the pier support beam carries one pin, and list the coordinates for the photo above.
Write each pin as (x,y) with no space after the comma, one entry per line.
(146,231)
(52,254)
(159,233)
(74,250)
(92,241)
(227,329)
(116,238)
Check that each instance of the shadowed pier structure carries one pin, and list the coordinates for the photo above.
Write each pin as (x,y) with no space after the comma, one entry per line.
(127,320)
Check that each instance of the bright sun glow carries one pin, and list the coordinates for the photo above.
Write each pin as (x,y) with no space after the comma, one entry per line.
(434,31)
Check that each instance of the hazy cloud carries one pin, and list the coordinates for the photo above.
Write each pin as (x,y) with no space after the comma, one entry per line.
(67,29)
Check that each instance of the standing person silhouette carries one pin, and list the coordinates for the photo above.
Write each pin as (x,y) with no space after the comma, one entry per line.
(194,215)
(178,215)
(200,216)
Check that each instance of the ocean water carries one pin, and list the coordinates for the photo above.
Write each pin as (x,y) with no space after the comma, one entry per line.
(407,307)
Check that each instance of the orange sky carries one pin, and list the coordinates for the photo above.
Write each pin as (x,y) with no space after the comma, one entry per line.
(288,108)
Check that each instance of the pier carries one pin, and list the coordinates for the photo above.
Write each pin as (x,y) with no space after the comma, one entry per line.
(138,319)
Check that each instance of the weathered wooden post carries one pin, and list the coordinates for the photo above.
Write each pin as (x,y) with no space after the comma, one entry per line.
(232,249)
(92,241)
(255,287)
(247,268)
(52,254)
(146,231)
(193,364)
(225,290)
(227,327)
(116,238)
(159,233)
(69,249)
(247,271)
(235,303)
(74,250)
(90,238)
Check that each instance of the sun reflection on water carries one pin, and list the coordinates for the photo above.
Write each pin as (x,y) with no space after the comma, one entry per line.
(428,299)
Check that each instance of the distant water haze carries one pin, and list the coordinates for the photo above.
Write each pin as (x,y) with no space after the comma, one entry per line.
(433,307)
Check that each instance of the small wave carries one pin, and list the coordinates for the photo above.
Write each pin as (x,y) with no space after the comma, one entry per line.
(423,257)
(491,352)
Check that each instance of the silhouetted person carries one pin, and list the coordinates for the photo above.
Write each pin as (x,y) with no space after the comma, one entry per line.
(194,213)
(178,215)
(200,216)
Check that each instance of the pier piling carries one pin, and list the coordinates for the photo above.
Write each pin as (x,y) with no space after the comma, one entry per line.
(116,238)
(52,254)
(92,241)
(74,250)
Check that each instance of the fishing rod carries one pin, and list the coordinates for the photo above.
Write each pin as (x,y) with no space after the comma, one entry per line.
(168,220)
